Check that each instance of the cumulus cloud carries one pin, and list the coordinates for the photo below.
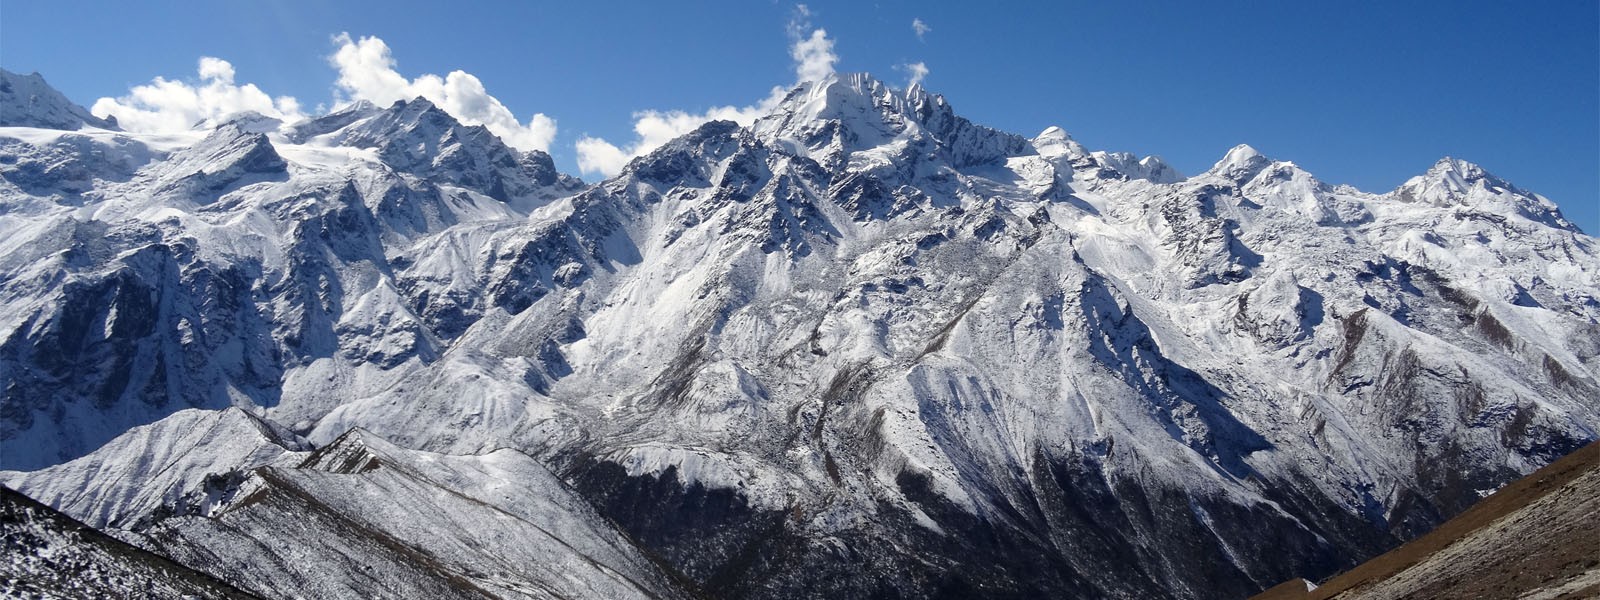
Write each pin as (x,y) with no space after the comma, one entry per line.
(921,28)
(166,105)
(367,72)
(917,71)
(810,48)
(812,51)
(813,56)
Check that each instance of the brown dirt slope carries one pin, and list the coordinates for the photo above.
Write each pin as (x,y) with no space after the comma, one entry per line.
(1537,538)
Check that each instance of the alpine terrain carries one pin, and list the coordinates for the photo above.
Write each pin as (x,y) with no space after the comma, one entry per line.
(862,347)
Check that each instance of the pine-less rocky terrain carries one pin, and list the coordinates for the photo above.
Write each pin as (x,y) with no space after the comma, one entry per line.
(1534,538)
(862,347)
(50,555)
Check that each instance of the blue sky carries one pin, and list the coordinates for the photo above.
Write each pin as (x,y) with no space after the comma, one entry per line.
(1365,93)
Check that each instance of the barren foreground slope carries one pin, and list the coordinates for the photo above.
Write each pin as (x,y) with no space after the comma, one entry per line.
(1536,538)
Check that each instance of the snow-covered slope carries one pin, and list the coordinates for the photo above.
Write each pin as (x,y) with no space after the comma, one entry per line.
(51,556)
(147,274)
(861,347)
(361,518)
(30,102)
(187,463)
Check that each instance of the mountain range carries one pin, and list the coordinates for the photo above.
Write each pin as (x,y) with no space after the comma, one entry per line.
(862,347)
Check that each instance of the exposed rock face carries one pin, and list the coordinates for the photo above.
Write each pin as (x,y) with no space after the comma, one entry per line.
(863,347)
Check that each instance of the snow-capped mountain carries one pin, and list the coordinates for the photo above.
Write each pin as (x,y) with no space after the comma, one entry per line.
(863,347)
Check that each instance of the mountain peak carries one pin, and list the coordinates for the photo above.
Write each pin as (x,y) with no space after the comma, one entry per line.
(417,105)
(402,120)
(28,101)
(1055,142)
(833,117)
(1242,154)
(1456,182)
(1053,133)
(419,137)
(1241,163)
(836,97)
(1461,173)
(1450,180)
(232,153)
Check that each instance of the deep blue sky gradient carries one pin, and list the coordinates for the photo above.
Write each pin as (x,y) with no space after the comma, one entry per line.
(1365,93)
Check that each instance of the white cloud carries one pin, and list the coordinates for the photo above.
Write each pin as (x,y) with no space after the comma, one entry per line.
(654,128)
(813,56)
(367,72)
(918,71)
(166,105)
(812,52)
(921,28)
(595,155)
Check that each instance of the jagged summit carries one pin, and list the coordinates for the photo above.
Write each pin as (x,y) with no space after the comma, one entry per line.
(835,117)
(418,137)
(1454,182)
(28,101)
(1455,178)
(398,127)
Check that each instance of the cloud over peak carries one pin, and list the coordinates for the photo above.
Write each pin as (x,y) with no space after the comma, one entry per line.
(917,72)
(813,56)
(366,69)
(814,59)
(167,105)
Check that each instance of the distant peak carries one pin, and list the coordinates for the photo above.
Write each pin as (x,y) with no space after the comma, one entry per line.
(251,121)
(915,90)
(358,108)
(1055,142)
(1241,163)
(1452,177)
(1454,182)
(1466,170)
(407,116)
(29,101)
(1158,170)
(1052,134)
(341,117)
(1241,154)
